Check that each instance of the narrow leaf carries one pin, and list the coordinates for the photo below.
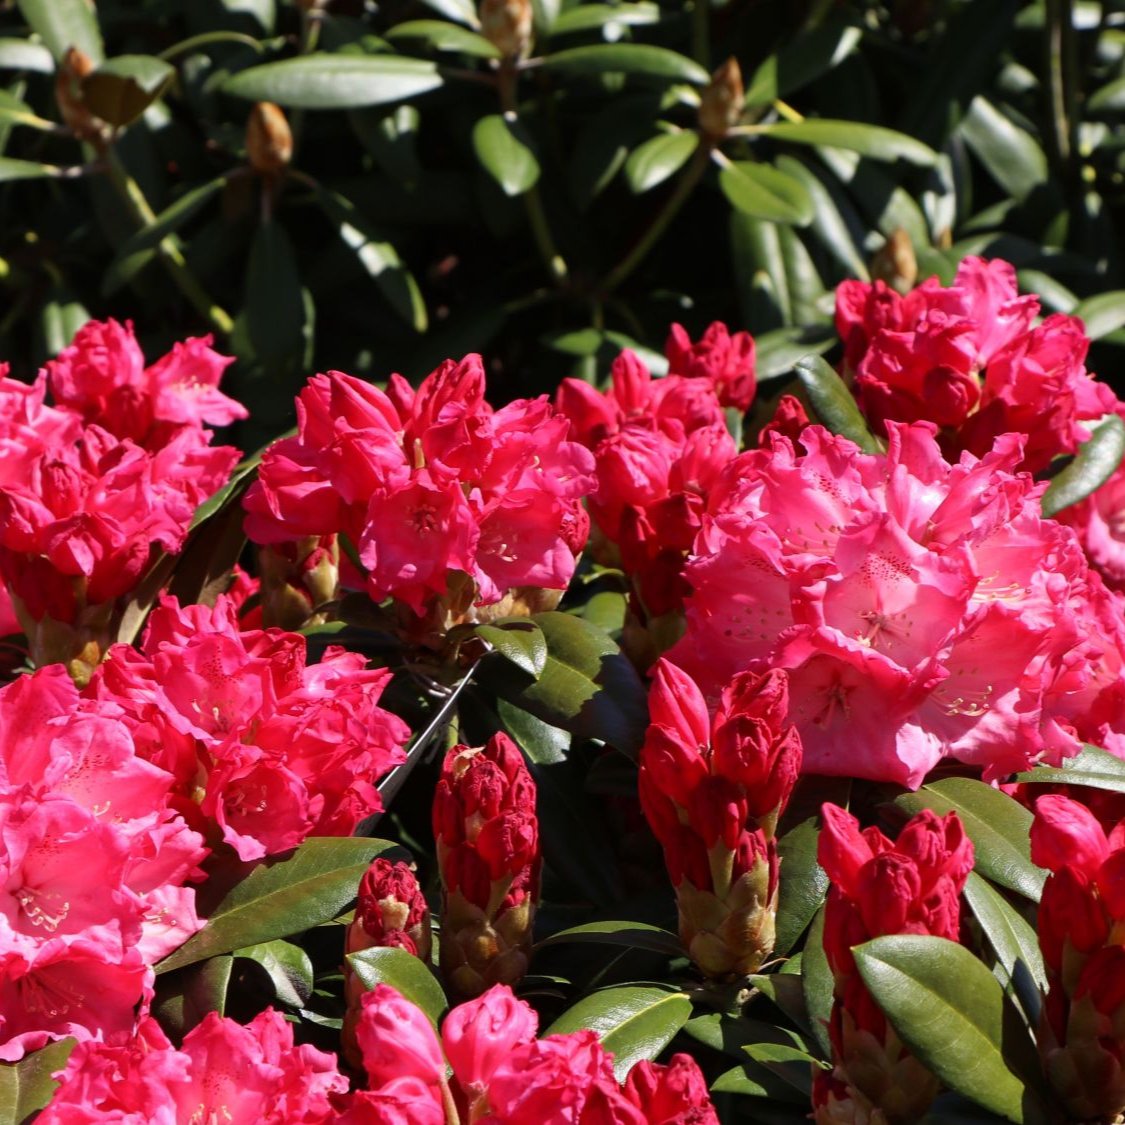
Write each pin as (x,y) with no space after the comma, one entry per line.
(403,972)
(636,935)
(322,81)
(778,351)
(282,897)
(505,151)
(868,140)
(803,884)
(445,36)
(13,169)
(635,59)
(63,24)
(1011,155)
(22,54)
(1094,463)
(275,314)
(997,824)
(765,192)
(817,984)
(657,159)
(1102,314)
(591,17)
(634,1021)
(951,1011)
(1094,767)
(834,404)
(808,56)
(1012,937)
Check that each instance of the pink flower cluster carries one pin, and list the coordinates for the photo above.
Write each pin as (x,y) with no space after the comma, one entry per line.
(660,445)
(501,1074)
(970,358)
(922,609)
(429,485)
(264,748)
(115,468)
(93,861)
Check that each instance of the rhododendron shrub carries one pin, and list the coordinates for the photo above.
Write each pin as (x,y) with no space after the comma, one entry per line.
(971,359)
(450,506)
(93,865)
(266,749)
(876,887)
(102,480)
(922,609)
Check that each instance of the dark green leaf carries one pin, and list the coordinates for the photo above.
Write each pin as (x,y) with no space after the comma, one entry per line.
(275,312)
(1102,314)
(760,190)
(288,967)
(951,1012)
(282,897)
(26,1086)
(834,404)
(519,640)
(379,258)
(403,972)
(1094,463)
(817,984)
(810,55)
(322,81)
(1109,98)
(587,686)
(868,140)
(732,1034)
(636,935)
(63,24)
(803,884)
(184,998)
(887,206)
(659,158)
(1094,767)
(506,153)
(755,1081)
(121,89)
(13,169)
(443,36)
(1011,154)
(543,744)
(634,1021)
(778,351)
(590,17)
(997,824)
(635,59)
(22,54)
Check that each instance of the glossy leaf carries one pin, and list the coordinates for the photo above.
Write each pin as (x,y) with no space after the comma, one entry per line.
(506,154)
(1109,98)
(184,998)
(657,159)
(378,257)
(834,404)
(322,81)
(288,967)
(282,897)
(26,1086)
(275,314)
(951,1011)
(587,685)
(1094,463)
(779,351)
(122,88)
(543,744)
(817,984)
(519,640)
(63,24)
(403,972)
(1094,767)
(634,59)
(1012,938)
(803,884)
(873,141)
(635,935)
(764,192)
(1011,155)
(22,54)
(808,57)
(445,36)
(997,824)
(634,1021)
(1102,314)
(460,11)
(13,169)
(591,17)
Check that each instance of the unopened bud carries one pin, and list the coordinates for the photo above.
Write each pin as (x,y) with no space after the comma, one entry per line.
(720,104)
(507,24)
(73,67)
(895,262)
(269,141)
(297,579)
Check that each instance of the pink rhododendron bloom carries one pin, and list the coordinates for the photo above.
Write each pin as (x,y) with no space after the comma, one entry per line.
(970,359)
(726,360)
(480,1034)
(243,1075)
(675,1094)
(266,750)
(922,609)
(1099,521)
(397,1040)
(451,506)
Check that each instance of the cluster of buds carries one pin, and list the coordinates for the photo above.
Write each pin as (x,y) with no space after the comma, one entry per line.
(1082,935)
(713,790)
(390,911)
(488,852)
(910,886)
(299,579)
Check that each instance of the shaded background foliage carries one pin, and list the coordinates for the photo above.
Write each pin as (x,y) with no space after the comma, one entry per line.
(416,222)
